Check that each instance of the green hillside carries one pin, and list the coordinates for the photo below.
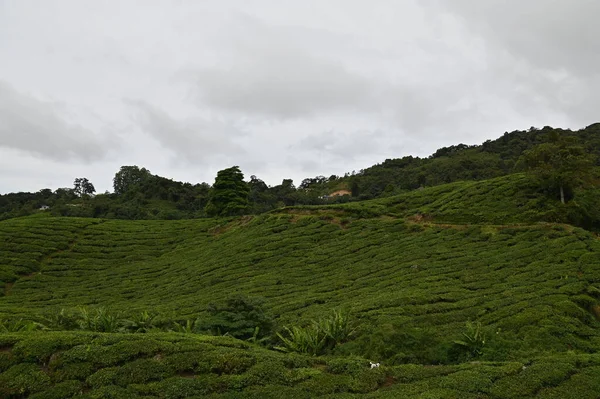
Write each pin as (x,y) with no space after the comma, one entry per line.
(512,199)
(411,271)
(139,194)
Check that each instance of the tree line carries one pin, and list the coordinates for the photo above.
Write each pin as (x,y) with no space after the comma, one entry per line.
(559,160)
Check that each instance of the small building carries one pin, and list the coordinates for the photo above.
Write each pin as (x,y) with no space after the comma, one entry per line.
(44,208)
(340,193)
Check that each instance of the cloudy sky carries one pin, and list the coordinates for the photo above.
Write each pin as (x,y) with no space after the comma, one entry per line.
(284,89)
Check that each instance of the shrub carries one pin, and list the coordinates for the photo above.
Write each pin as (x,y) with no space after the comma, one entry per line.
(61,390)
(346,365)
(309,340)
(473,342)
(21,380)
(319,337)
(18,325)
(238,316)
(62,319)
(336,328)
(141,323)
(100,319)
(232,363)
(397,344)
(272,372)
(186,327)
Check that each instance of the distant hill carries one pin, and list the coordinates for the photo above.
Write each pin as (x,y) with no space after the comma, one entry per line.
(156,197)
(493,158)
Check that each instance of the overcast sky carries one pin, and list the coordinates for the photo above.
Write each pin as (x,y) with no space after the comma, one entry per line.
(284,89)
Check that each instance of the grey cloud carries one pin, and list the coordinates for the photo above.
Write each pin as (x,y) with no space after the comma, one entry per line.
(543,55)
(344,145)
(225,83)
(549,34)
(38,127)
(198,140)
(275,74)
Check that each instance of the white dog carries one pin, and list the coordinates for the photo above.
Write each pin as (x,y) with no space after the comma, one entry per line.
(374,365)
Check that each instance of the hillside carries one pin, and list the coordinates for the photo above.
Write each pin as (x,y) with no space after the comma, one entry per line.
(138,194)
(411,269)
(511,199)
(491,159)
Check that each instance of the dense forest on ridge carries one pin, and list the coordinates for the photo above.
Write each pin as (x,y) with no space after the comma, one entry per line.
(138,194)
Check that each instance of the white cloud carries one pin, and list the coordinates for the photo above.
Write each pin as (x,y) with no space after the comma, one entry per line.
(283,89)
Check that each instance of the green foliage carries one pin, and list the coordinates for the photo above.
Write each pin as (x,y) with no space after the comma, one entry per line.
(22,380)
(473,340)
(397,343)
(61,319)
(309,340)
(493,158)
(141,195)
(129,178)
(560,164)
(62,390)
(17,325)
(82,186)
(337,328)
(413,268)
(319,337)
(229,195)
(187,327)
(143,322)
(240,317)
(99,319)
(426,283)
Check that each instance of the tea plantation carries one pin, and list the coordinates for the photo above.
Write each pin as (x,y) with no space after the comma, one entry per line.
(466,290)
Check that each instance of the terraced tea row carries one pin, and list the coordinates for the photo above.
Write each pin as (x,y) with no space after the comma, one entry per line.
(537,286)
(177,366)
(510,199)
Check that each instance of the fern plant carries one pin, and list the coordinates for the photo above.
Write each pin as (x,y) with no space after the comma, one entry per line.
(474,339)
(18,325)
(337,328)
(319,336)
(141,323)
(309,340)
(188,327)
(100,320)
(62,319)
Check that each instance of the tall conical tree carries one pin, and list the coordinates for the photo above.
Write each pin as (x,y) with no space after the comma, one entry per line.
(229,195)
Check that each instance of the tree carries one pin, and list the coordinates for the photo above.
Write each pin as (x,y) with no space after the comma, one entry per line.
(129,177)
(559,164)
(229,195)
(285,192)
(82,186)
(261,198)
(64,193)
(239,316)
